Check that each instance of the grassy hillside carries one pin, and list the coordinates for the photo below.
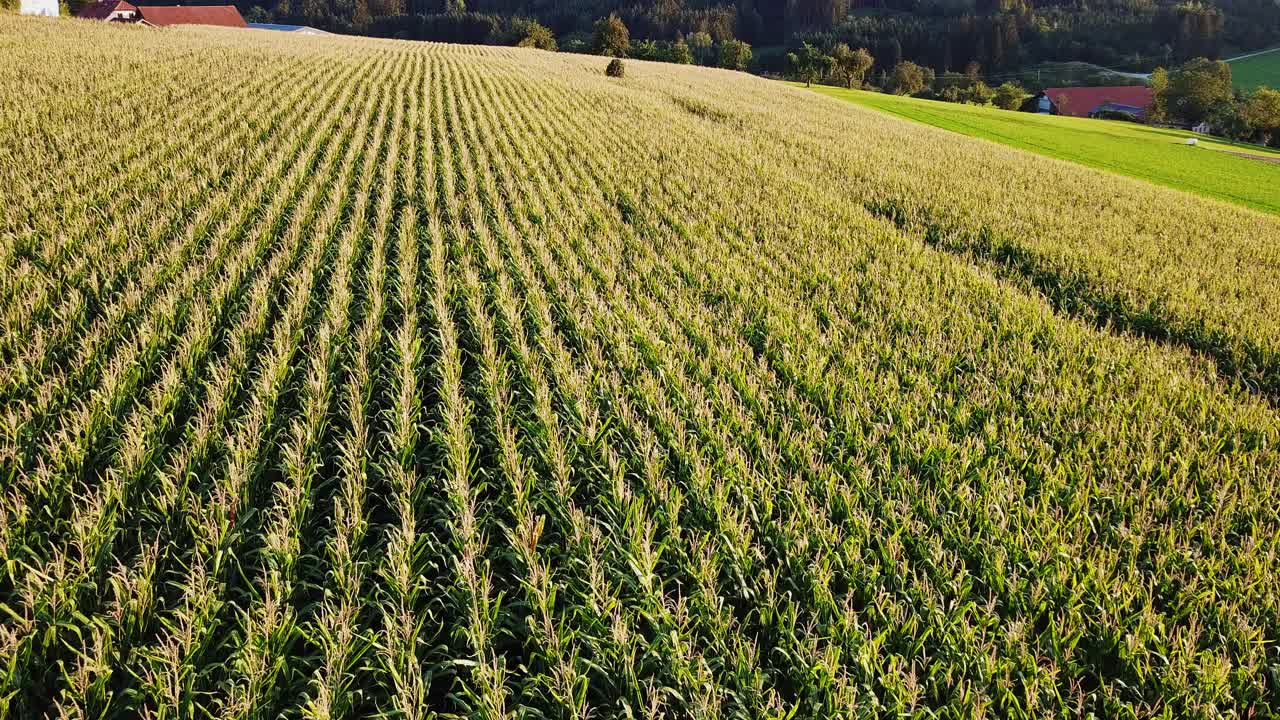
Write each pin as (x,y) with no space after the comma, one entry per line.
(1258,70)
(373,378)
(1154,154)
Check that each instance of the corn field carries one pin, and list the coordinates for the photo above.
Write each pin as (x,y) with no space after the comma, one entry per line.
(352,378)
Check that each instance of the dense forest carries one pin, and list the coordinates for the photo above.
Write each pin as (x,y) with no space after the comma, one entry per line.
(945,35)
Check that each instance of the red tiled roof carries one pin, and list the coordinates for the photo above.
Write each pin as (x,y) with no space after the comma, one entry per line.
(102,10)
(1080,101)
(225,15)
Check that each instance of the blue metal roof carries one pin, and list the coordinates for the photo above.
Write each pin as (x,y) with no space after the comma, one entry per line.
(287,28)
(1118,107)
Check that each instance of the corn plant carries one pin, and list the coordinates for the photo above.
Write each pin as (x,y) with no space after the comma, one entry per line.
(380,378)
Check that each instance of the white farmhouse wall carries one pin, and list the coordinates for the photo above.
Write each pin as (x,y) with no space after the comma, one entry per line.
(40,7)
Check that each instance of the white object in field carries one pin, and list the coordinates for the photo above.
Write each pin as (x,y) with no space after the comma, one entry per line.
(1191,141)
(39,7)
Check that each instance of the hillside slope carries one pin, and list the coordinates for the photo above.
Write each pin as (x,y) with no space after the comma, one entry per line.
(1157,155)
(360,377)
(1258,68)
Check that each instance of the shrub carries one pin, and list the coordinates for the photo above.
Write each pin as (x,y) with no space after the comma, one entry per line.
(576,42)
(1010,96)
(979,93)
(528,33)
(734,55)
(680,53)
(646,50)
(615,69)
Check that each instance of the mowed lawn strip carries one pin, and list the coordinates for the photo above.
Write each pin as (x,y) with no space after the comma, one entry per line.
(1154,154)
(1261,69)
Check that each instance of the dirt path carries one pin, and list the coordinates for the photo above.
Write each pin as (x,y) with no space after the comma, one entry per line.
(1252,54)
(1263,158)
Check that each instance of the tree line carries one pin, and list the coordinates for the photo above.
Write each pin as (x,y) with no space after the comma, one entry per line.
(1199,91)
(945,35)
(851,68)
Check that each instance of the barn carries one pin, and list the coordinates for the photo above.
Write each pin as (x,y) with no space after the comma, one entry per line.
(1094,101)
(165,15)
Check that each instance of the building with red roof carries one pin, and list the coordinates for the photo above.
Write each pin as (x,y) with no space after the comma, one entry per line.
(1092,101)
(164,15)
(109,11)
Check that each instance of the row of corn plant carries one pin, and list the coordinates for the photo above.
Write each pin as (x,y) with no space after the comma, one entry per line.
(408,380)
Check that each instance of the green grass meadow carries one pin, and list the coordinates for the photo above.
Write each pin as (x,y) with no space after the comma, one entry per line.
(1251,72)
(1154,154)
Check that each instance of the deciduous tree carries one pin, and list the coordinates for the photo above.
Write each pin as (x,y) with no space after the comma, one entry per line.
(1009,96)
(1261,112)
(680,53)
(1159,83)
(1198,88)
(735,54)
(979,93)
(612,37)
(533,34)
(852,64)
(810,64)
(700,43)
(909,78)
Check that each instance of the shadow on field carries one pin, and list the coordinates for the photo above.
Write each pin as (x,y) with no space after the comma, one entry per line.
(1079,295)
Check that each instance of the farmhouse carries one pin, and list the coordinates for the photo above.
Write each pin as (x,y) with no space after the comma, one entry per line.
(1095,101)
(163,15)
(39,7)
(110,11)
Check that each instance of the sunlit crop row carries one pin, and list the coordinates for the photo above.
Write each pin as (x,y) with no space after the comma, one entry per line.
(391,379)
